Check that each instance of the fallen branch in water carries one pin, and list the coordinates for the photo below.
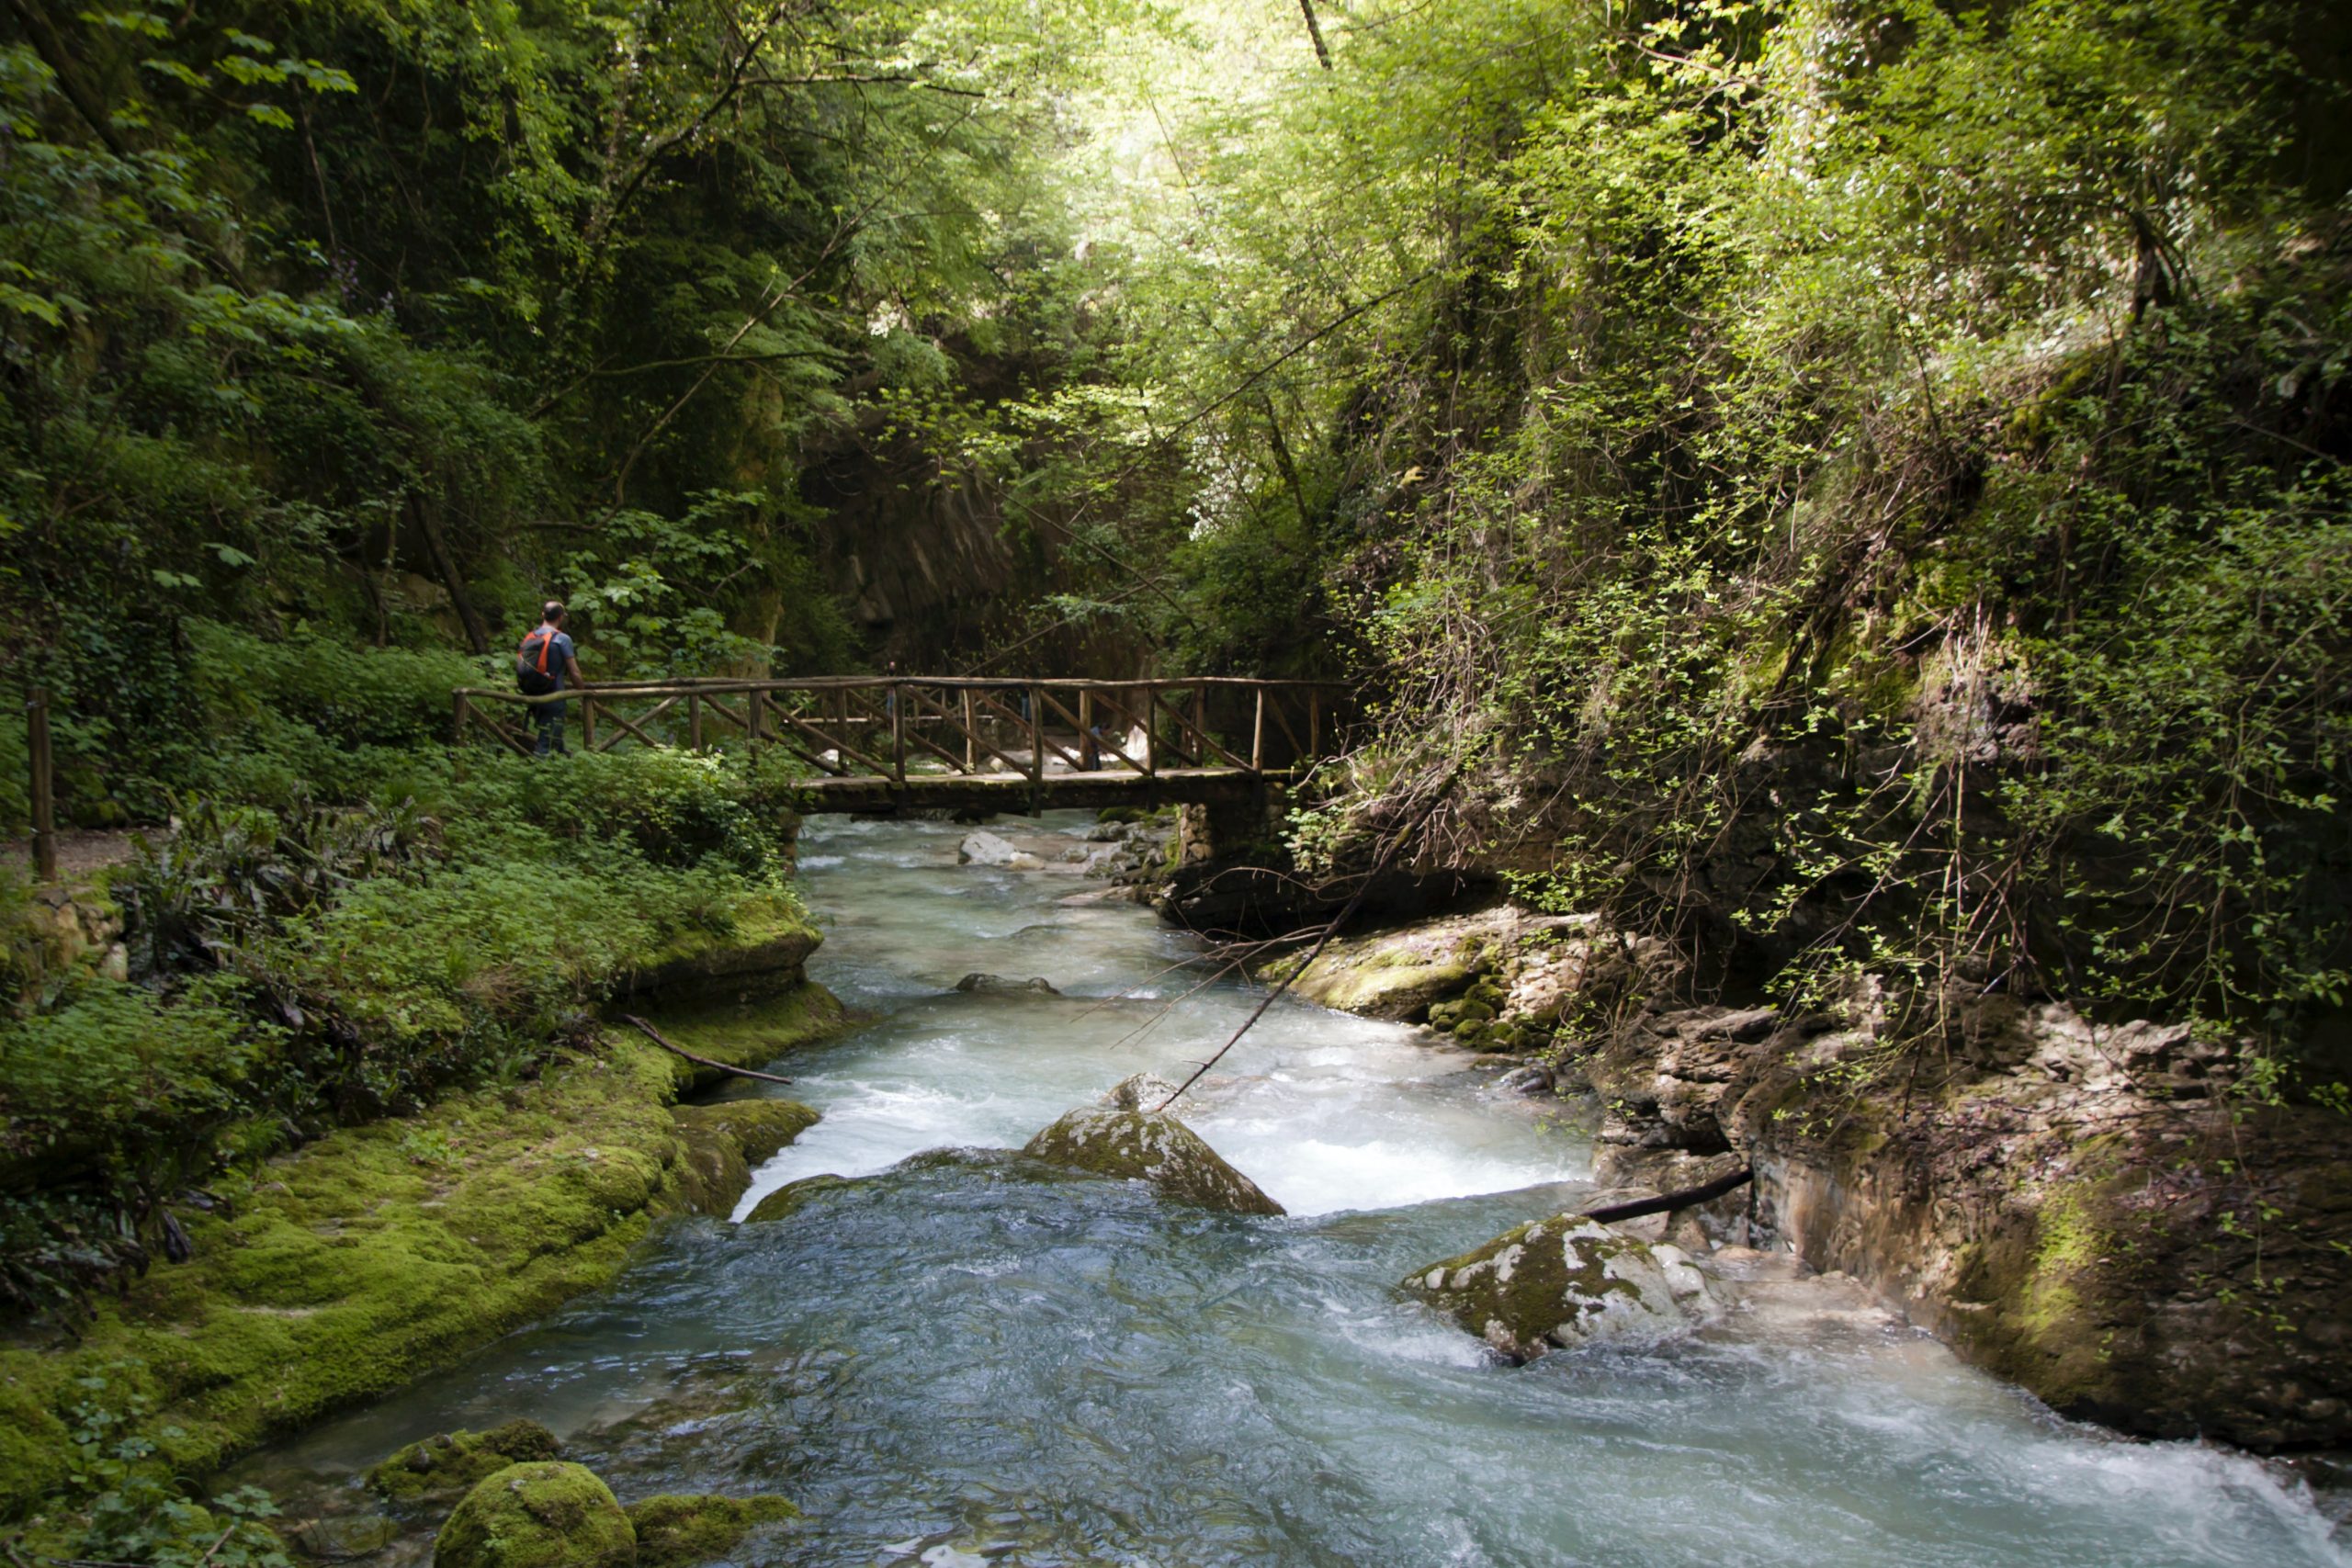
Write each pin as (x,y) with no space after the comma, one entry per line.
(1671,1200)
(655,1036)
(1370,877)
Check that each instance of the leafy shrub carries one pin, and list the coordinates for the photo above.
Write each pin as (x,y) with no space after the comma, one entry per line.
(345,692)
(110,1103)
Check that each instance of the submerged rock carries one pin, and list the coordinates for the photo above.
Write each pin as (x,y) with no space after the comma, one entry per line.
(1565,1281)
(675,1531)
(789,1198)
(987,849)
(537,1516)
(448,1464)
(980,981)
(1147,1148)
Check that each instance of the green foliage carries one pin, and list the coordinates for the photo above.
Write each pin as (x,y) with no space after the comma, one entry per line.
(369,325)
(1868,485)
(314,965)
(139,1511)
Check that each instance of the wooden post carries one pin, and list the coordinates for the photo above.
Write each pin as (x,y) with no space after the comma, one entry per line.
(1036,734)
(1314,726)
(1258,735)
(972,745)
(898,733)
(694,722)
(1087,755)
(1201,722)
(587,720)
(44,783)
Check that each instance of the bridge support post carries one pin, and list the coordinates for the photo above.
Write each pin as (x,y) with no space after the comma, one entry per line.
(898,734)
(1037,705)
(1224,829)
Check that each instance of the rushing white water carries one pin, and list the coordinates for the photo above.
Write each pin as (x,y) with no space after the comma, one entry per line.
(965,1357)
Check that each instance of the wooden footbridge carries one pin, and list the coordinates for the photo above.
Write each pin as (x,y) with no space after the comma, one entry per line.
(869,744)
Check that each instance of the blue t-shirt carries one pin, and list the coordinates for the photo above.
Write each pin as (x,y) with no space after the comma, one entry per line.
(560,657)
(526,659)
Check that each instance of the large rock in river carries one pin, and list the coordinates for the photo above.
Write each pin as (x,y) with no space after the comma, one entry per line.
(1565,1281)
(537,1516)
(1107,1141)
(987,849)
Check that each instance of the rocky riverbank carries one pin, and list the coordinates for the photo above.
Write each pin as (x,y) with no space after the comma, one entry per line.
(2090,1210)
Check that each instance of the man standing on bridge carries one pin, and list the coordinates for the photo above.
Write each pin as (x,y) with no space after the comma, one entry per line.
(544,665)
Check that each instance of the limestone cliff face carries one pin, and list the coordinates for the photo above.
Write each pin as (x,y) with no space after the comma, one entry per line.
(921,560)
(928,559)
(2074,1207)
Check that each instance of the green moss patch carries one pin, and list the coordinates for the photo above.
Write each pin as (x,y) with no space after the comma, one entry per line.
(352,1267)
(721,1143)
(749,1034)
(448,1464)
(680,1531)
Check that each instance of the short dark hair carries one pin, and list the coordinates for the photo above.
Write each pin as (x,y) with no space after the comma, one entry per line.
(552,610)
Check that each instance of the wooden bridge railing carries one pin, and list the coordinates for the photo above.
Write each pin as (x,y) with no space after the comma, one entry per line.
(883,728)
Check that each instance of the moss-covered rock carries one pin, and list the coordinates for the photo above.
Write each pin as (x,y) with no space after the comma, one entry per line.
(1565,1281)
(762,955)
(679,1531)
(448,1465)
(1147,1148)
(721,1143)
(747,1033)
(789,1198)
(537,1516)
(1391,975)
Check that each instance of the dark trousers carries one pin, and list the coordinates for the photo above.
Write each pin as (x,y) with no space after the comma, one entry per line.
(548,717)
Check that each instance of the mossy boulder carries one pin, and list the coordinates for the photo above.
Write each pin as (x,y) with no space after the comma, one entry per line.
(721,1143)
(1141,1146)
(789,1198)
(1562,1282)
(549,1515)
(448,1464)
(678,1531)
(763,953)
(1390,975)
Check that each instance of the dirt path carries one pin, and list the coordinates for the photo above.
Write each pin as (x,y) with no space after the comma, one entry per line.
(81,852)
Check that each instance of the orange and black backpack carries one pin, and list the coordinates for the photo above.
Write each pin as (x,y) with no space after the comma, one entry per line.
(531,672)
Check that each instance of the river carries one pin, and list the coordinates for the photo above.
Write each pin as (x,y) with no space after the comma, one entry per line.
(962,1357)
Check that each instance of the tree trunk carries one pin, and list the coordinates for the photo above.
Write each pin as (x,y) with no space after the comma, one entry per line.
(437,544)
(1315,31)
